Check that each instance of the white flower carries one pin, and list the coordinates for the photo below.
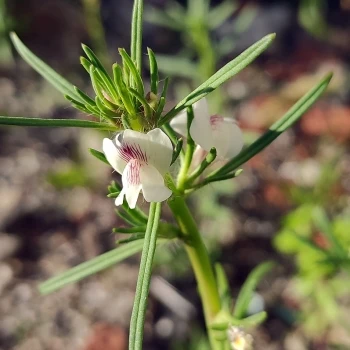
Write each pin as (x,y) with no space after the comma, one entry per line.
(210,131)
(142,159)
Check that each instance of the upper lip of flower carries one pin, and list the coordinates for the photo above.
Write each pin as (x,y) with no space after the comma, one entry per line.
(142,159)
(210,131)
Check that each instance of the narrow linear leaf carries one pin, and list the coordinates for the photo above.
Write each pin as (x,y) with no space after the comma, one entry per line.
(125,230)
(248,288)
(91,267)
(136,34)
(60,83)
(277,128)
(225,73)
(153,67)
(87,99)
(55,123)
(163,96)
(133,71)
(223,287)
(94,59)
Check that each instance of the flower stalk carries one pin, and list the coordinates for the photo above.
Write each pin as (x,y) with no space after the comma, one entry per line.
(200,262)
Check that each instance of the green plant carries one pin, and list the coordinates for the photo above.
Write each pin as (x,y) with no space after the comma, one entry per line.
(143,150)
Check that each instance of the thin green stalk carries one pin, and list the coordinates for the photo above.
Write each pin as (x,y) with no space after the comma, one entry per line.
(200,262)
(182,177)
(56,123)
(144,279)
(136,34)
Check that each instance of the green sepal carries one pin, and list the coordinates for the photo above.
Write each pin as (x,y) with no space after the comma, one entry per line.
(177,150)
(154,74)
(162,99)
(85,63)
(143,102)
(106,111)
(135,74)
(99,155)
(123,91)
(87,99)
(93,59)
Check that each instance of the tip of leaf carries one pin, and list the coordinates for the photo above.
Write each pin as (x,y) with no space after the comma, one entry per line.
(13,35)
(328,77)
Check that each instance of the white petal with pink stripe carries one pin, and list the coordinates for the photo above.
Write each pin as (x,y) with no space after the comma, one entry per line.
(142,160)
(211,131)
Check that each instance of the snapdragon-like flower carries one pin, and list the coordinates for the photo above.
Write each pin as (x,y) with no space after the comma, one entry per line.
(210,131)
(142,160)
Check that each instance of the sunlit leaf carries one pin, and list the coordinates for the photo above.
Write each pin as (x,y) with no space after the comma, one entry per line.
(225,73)
(55,123)
(91,267)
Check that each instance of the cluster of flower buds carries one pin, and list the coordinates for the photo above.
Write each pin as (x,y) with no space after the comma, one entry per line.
(121,99)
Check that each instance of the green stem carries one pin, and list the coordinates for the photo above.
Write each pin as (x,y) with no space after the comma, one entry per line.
(182,177)
(136,34)
(144,278)
(200,262)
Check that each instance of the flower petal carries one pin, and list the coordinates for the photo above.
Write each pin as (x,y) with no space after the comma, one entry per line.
(113,156)
(153,187)
(131,182)
(160,150)
(179,123)
(201,115)
(228,138)
(154,148)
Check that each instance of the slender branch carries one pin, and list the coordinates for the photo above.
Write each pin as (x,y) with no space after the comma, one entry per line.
(136,34)
(143,282)
(200,262)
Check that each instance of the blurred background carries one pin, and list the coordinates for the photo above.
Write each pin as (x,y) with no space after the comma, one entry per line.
(291,205)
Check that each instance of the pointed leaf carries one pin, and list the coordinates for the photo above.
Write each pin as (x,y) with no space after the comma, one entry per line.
(55,123)
(225,73)
(277,128)
(91,267)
